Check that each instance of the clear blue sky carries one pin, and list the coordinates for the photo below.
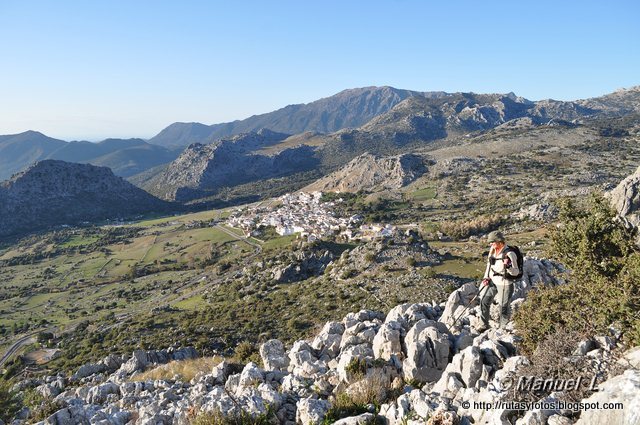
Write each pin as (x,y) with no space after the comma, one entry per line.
(92,69)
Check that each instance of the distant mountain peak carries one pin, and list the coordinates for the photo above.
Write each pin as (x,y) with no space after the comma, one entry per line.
(54,192)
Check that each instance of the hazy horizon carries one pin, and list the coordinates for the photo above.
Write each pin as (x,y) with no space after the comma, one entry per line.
(91,71)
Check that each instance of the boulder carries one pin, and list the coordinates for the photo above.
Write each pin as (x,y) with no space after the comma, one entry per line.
(99,393)
(273,355)
(421,404)
(625,198)
(559,420)
(220,373)
(363,419)
(396,412)
(362,316)
(387,344)
(87,370)
(327,342)
(631,358)
(359,333)
(464,371)
(427,352)
(362,352)
(303,362)
(251,376)
(70,415)
(623,389)
(311,411)
(457,302)
(408,314)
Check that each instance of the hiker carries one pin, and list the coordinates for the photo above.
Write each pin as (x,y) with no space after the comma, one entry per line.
(503,268)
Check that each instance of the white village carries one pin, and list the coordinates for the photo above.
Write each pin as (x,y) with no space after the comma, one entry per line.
(306,214)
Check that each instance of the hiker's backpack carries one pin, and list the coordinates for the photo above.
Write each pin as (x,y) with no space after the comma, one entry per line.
(520,258)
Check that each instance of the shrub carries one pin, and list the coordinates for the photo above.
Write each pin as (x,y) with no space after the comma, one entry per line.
(461,229)
(604,287)
(40,407)
(591,240)
(343,406)
(244,418)
(357,367)
(9,402)
(349,273)
(553,359)
(246,351)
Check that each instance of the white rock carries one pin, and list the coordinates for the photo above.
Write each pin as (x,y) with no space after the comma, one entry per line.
(363,419)
(631,358)
(99,393)
(387,342)
(420,403)
(457,302)
(362,352)
(623,389)
(251,376)
(362,316)
(408,314)
(311,411)
(273,355)
(359,333)
(427,352)
(559,420)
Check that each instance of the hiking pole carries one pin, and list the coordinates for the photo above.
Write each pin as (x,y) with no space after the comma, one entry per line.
(467,307)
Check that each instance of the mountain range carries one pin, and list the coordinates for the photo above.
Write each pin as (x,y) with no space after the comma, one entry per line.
(415,122)
(125,157)
(349,108)
(295,146)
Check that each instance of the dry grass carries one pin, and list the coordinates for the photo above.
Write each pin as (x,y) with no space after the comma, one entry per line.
(553,359)
(185,370)
(464,228)
(373,389)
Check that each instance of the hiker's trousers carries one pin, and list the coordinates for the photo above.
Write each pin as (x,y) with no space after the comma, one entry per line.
(502,294)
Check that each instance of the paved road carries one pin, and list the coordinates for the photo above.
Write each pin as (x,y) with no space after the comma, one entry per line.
(27,339)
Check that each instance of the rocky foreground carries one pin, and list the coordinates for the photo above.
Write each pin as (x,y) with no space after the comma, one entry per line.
(427,368)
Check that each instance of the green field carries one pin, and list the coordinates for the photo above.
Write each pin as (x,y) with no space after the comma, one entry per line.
(78,275)
(423,194)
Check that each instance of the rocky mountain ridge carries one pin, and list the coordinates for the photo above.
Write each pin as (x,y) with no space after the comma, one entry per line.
(414,123)
(202,169)
(372,173)
(349,108)
(353,108)
(54,192)
(420,362)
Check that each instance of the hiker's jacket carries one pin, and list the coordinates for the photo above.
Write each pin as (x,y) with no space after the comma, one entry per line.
(497,270)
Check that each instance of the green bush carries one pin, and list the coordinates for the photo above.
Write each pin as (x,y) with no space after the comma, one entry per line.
(244,418)
(9,402)
(245,351)
(604,286)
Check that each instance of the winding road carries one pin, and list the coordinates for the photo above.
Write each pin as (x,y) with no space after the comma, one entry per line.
(27,339)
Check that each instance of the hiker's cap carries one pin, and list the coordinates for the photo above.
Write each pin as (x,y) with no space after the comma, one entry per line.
(495,236)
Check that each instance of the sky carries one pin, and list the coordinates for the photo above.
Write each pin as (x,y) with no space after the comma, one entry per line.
(89,70)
